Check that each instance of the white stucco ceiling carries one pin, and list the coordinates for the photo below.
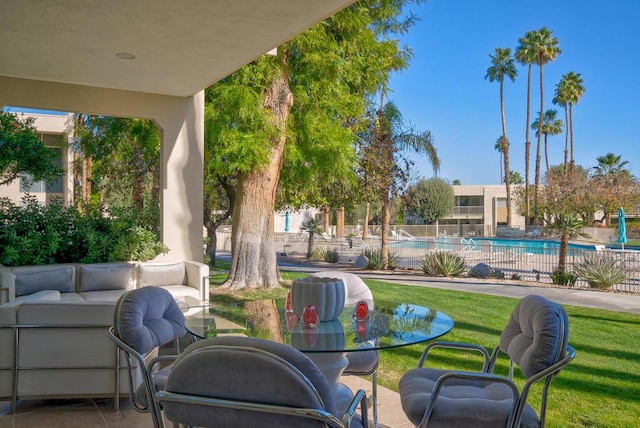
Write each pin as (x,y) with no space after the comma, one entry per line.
(180,47)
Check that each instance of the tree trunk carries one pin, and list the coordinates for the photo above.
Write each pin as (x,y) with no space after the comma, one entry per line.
(562,255)
(253,247)
(546,153)
(571,134)
(536,189)
(384,247)
(365,230)
(326,220)
(566,139)
(505,142)
(340,223)
(527,151)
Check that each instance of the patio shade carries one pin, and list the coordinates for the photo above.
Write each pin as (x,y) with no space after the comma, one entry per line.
(622,228)
(286,222)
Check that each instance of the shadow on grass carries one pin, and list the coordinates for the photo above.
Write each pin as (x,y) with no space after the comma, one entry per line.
(611,319)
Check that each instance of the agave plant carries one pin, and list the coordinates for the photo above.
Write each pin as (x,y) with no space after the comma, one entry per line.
(442,263)
(600,271)
(331,256)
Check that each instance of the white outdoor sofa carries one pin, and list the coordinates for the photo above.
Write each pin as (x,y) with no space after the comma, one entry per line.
(54,321)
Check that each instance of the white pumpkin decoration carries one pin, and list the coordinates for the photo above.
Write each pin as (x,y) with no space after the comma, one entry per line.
(326,294)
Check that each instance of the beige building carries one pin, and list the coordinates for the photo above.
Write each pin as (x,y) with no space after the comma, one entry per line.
(53,131)
(479,210)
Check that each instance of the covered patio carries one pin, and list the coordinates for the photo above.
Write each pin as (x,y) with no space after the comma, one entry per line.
(145,59)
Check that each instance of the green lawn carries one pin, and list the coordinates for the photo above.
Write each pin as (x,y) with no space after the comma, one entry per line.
(600,388)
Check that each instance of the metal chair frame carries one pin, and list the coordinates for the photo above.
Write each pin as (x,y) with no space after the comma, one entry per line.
(359,399)
(520,397)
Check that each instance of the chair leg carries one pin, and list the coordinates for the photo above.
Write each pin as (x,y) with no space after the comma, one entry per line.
(374,397)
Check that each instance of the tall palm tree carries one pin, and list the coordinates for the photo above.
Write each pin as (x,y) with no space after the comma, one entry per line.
(390,138)
(547,48)
(502,65)
(550,126)
(561,98)
(526,55)
(576,84)
(610,165)
(499,146)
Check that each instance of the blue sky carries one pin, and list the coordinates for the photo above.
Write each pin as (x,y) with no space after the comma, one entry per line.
(444,89)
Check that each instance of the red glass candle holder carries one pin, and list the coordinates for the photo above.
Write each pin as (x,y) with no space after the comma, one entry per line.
(309,316)
(361,329)
(287,306)
(291,319)
(361,311)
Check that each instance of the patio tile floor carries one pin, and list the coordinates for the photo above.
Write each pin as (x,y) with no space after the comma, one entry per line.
(98,413)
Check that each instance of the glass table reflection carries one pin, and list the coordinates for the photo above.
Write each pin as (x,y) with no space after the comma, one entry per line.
(328,343)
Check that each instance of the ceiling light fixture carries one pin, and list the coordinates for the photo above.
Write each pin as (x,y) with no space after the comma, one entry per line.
(125,55)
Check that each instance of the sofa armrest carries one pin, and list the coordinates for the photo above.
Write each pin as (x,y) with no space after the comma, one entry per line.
(198,277)
(7,285)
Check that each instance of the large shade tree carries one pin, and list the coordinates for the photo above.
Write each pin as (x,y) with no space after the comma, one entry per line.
(22,154)
(430,199)
(614,186)
(503,66)
(305,100)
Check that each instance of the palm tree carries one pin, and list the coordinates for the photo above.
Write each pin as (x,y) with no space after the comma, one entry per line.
(568,226)
(516,178)
(314,228)
(561,98)
(547,48)
(568,92)
(390,138)
(502,65)
(526,55)
(499,146)
(610,165)
(550,126)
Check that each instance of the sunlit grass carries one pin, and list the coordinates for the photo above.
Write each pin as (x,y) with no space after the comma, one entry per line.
(600,388)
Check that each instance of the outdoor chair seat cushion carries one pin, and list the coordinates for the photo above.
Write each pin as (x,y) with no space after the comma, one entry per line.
(461,402)
(362,361)
(159,383)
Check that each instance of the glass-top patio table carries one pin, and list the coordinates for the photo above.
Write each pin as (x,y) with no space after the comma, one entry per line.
(329,342)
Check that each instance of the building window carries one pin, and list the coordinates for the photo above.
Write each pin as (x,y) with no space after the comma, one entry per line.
(27,185)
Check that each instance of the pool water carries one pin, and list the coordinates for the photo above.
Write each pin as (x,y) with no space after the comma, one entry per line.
(531,246)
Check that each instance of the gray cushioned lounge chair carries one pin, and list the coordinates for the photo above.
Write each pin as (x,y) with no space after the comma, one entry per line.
(144,320)
(232,381)
(535,340)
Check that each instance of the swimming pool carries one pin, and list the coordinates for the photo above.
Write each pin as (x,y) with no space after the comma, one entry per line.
(530,246)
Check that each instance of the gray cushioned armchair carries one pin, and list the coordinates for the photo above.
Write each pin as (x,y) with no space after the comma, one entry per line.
(232,381)
(144,320)
(534,340)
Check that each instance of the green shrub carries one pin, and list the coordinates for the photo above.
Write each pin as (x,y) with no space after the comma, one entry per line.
(516,277)
(373,259)
(442,263)
(318,253)
(34,234)
(563,278)
(331,256)
(600,271)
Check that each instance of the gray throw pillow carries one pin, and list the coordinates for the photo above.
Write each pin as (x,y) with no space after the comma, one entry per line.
(161,274)
(46,279)
(100,277)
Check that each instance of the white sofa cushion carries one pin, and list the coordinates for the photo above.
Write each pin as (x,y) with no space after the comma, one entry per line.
(105,276)
(102,296)
(44,295)
(182,291)
(161,274)
(37,278)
